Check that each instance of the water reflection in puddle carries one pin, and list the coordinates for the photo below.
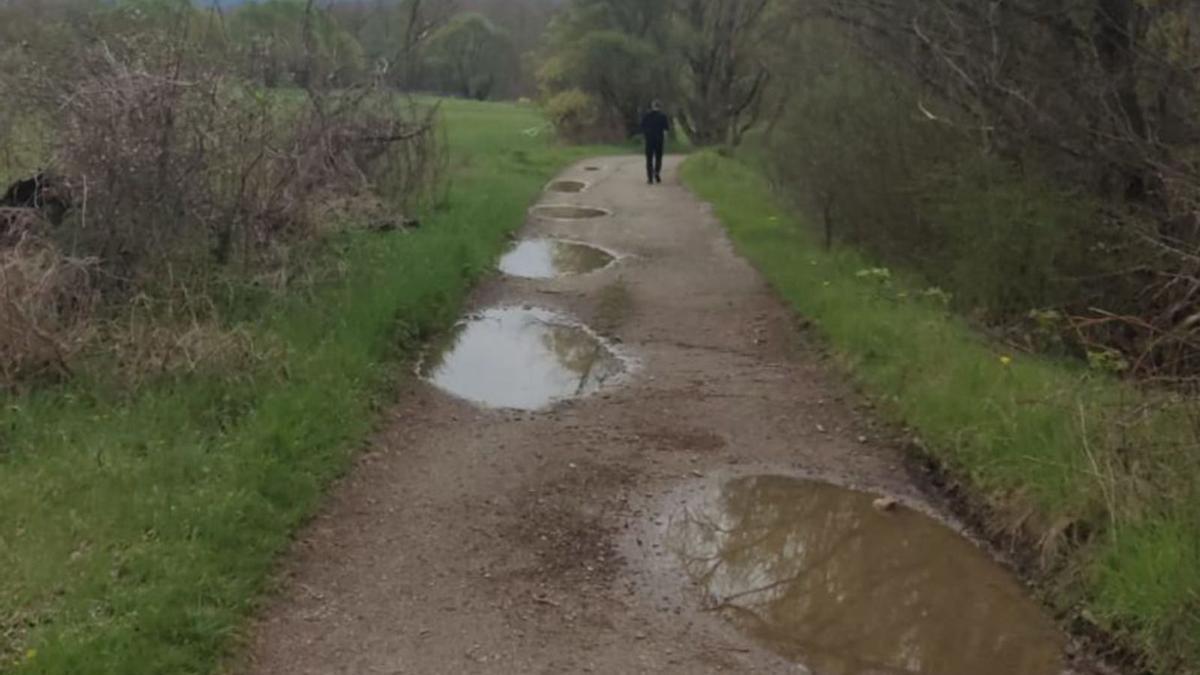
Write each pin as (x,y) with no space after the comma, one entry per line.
(822,577)
(522,358)
(569,186)
(569,212)
(547,259)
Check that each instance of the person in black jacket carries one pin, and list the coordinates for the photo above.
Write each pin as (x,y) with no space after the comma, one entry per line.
(655,126)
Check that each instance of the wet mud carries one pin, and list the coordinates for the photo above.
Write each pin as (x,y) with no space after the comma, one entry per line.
(551,258)
(567,186)
(525,359)
(561,212)
(845,584)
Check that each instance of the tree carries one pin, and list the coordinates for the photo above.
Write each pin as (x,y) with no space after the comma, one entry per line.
(724,71)
(471,57)
(1095,99)
(708,56)
(271,39)
(394,33)
(525,21)
(614,51)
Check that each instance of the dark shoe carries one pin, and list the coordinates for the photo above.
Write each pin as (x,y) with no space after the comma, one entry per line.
(658,179)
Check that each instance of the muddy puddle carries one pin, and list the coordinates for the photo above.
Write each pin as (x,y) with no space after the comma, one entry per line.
(522,358)
(821,576)
(568,186)
(550,258)
(569,212)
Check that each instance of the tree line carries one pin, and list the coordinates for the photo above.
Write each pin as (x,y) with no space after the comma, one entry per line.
(470,48)
(1038,160)
(603,61)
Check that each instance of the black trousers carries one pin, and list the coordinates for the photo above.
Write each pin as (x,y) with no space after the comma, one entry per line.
(654,159)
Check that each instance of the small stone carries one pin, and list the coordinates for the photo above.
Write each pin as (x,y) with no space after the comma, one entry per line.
(885,504)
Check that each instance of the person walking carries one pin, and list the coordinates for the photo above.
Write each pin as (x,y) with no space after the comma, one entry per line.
(655,125)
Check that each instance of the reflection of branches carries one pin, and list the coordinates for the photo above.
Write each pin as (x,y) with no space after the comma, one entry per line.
(817,570)
(578,351)
(810,567)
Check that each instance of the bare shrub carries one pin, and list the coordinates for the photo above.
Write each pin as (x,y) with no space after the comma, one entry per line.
(198,167)
(180,173)
(145,347)
(46,301)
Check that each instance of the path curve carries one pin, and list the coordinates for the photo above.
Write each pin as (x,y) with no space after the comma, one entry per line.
(475,541)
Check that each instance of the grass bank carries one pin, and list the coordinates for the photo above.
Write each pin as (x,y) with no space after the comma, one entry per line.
(1097,477)
(138,528)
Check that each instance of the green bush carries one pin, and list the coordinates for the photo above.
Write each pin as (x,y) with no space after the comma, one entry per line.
(577,116)
(920,190)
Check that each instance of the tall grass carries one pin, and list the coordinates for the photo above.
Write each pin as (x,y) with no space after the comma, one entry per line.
(1105,477)
(138,527)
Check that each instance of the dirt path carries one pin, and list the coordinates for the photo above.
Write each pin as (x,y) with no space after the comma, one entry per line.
(476,541)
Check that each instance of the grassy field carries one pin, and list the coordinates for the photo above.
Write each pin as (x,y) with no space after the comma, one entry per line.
(138,529)
(1103,475)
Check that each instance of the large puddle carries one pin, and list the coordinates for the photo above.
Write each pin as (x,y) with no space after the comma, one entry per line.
(522,358)
(568,186)
(549,258)
(818,574)
(569,212)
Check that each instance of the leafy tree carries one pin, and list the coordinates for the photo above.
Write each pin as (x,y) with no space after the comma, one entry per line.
(471,57)
(525,21)
(707,56)
(272,38)
(723,65)
(615,51)
(394,33)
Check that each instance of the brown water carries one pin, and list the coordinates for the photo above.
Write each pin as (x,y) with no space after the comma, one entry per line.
(819,575)
(548,258)
(521,358)
(569,212)
(570,186)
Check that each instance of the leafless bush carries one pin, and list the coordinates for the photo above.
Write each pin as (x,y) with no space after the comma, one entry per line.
(179,172)
(46,302)
(186,164)
(146,347)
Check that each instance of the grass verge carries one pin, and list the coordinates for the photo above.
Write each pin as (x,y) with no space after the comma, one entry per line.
(1100,477)
(138,529)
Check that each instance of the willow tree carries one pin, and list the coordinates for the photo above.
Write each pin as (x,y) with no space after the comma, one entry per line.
(723,65)
(614,51)
(281,44)
(471,57)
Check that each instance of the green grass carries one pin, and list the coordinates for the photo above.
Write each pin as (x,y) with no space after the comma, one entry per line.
(138,530)
(1106,473)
